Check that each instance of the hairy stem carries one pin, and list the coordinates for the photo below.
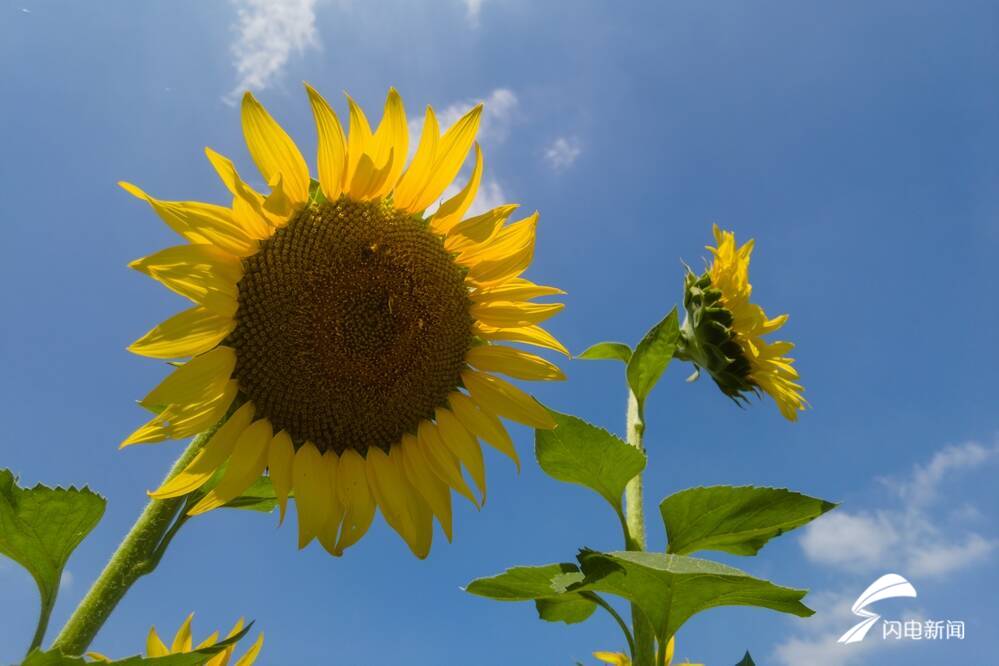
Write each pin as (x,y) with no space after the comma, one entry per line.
(600,601)
(137,555)
(644,652)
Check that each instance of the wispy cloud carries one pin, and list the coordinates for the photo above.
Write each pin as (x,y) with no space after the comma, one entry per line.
(562,152)
(917,535)
(908,535)
(473,11)
(267,32)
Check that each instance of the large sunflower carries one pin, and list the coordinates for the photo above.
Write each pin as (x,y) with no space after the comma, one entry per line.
(724,330)
(350,336)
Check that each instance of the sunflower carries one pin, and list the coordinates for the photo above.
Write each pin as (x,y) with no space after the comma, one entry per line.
(723,332)
(184,643)
(350,335)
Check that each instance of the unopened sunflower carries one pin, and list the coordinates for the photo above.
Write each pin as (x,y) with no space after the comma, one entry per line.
(183,643)
(350,335)
(723,332)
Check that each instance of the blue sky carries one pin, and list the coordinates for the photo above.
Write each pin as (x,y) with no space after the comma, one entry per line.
(855,141)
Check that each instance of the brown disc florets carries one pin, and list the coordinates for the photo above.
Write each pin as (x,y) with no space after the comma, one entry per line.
(353,325)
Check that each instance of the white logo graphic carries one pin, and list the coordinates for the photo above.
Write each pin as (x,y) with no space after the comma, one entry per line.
(888,586)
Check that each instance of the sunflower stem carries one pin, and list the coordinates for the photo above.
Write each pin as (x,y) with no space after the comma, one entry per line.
(644,652)
(137,555)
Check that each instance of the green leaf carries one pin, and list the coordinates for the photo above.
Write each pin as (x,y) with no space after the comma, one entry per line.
(669,589)
(734,519)
(569,608)
(526,583)
(578,452)
(607,351)
(746,660)
(258,497)
(545,585)
(39,529)
(194,658)
(652,355)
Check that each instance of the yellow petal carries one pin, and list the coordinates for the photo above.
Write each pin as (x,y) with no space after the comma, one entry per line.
(613,658)
(154,646)
(513,314)
(200,379)
(531,335)
(462,446)
(416,176)
(251,654)
(356,498)
(390,143)
(180,421)
(517,289)
(400,506)
(334,513)
(210,458)
(451,151)
(278,204)
(187,333)
(246,464)
(505,256)
(475,231)
(273,151)
(247,207)
(199,222)
(502,398)
(209,641)
(441,461)
(420,514)
(331,154)
(310,477)
(452,210)
(253,220)
(513,363)
(358,140)
(202,273)
(97,656)
(436,493)
(182,639)
(280,462)
(483,425)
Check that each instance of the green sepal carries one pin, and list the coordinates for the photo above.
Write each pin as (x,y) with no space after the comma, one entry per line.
(746,660)
(40,527)
(578,452)
(734,519)
(316,195)
(607,351)
(708,341)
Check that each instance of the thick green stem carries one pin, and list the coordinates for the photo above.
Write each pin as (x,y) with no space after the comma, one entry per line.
(644,653)
(137,555)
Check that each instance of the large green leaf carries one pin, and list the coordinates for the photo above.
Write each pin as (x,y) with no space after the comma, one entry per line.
(734,519)
(578,452)
(568,608)
(39,529)
(652,355)
(194,658)
(669,589)
(607,351)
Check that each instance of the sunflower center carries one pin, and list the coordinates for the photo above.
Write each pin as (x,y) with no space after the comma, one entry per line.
(353,325)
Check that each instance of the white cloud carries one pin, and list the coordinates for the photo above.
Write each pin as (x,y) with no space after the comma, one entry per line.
(267,32)
(915,535)
(473,11)
(815,643)
(909,536)
(66,580)
(562,152)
